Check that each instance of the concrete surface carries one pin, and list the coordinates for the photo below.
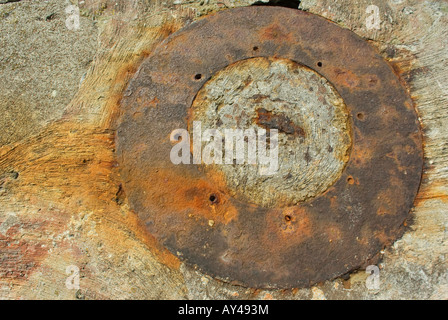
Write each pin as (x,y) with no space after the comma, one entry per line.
(60,202)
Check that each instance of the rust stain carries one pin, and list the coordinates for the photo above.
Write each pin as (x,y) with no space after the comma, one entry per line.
(334,233)
(269,120)
(178,193)
(346,77)
(431,190)
(21,253)
(71,168)
(276,32)
(115,70)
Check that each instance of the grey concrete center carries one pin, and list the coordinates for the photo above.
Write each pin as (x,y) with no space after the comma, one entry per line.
(314,134)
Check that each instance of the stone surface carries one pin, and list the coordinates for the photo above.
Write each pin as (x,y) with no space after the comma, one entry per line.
(60,198)
(42,63)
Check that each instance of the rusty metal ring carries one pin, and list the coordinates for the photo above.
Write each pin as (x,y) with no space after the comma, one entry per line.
(322,238)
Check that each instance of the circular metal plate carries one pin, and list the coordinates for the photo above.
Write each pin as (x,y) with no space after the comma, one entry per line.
(193,213)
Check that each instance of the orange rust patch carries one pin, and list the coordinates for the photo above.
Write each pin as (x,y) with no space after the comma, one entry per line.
(172,192)
(291,221)
(430,191)
(334,233)
(276,32)
(383,237)
(363,150)
(268,296)
(351,180)
(346,77)
(25,241)
(166,257)
(72,167)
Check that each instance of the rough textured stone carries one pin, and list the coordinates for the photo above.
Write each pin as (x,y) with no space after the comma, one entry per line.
(60,198)
(42,65)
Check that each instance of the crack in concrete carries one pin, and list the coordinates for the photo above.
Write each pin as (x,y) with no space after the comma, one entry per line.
(8,1)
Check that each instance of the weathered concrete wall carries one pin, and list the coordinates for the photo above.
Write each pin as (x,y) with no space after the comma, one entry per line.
(42,65)
(61,203)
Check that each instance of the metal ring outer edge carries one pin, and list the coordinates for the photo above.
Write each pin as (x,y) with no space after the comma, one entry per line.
(342,230)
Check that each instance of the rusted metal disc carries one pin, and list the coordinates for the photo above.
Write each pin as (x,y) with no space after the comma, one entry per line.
(192,209)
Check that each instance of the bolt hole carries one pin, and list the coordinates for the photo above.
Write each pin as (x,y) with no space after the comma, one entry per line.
(360,116)
(319,64)
(350,180)
(288,218)
(198,76)
(255,48)
(213,198)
